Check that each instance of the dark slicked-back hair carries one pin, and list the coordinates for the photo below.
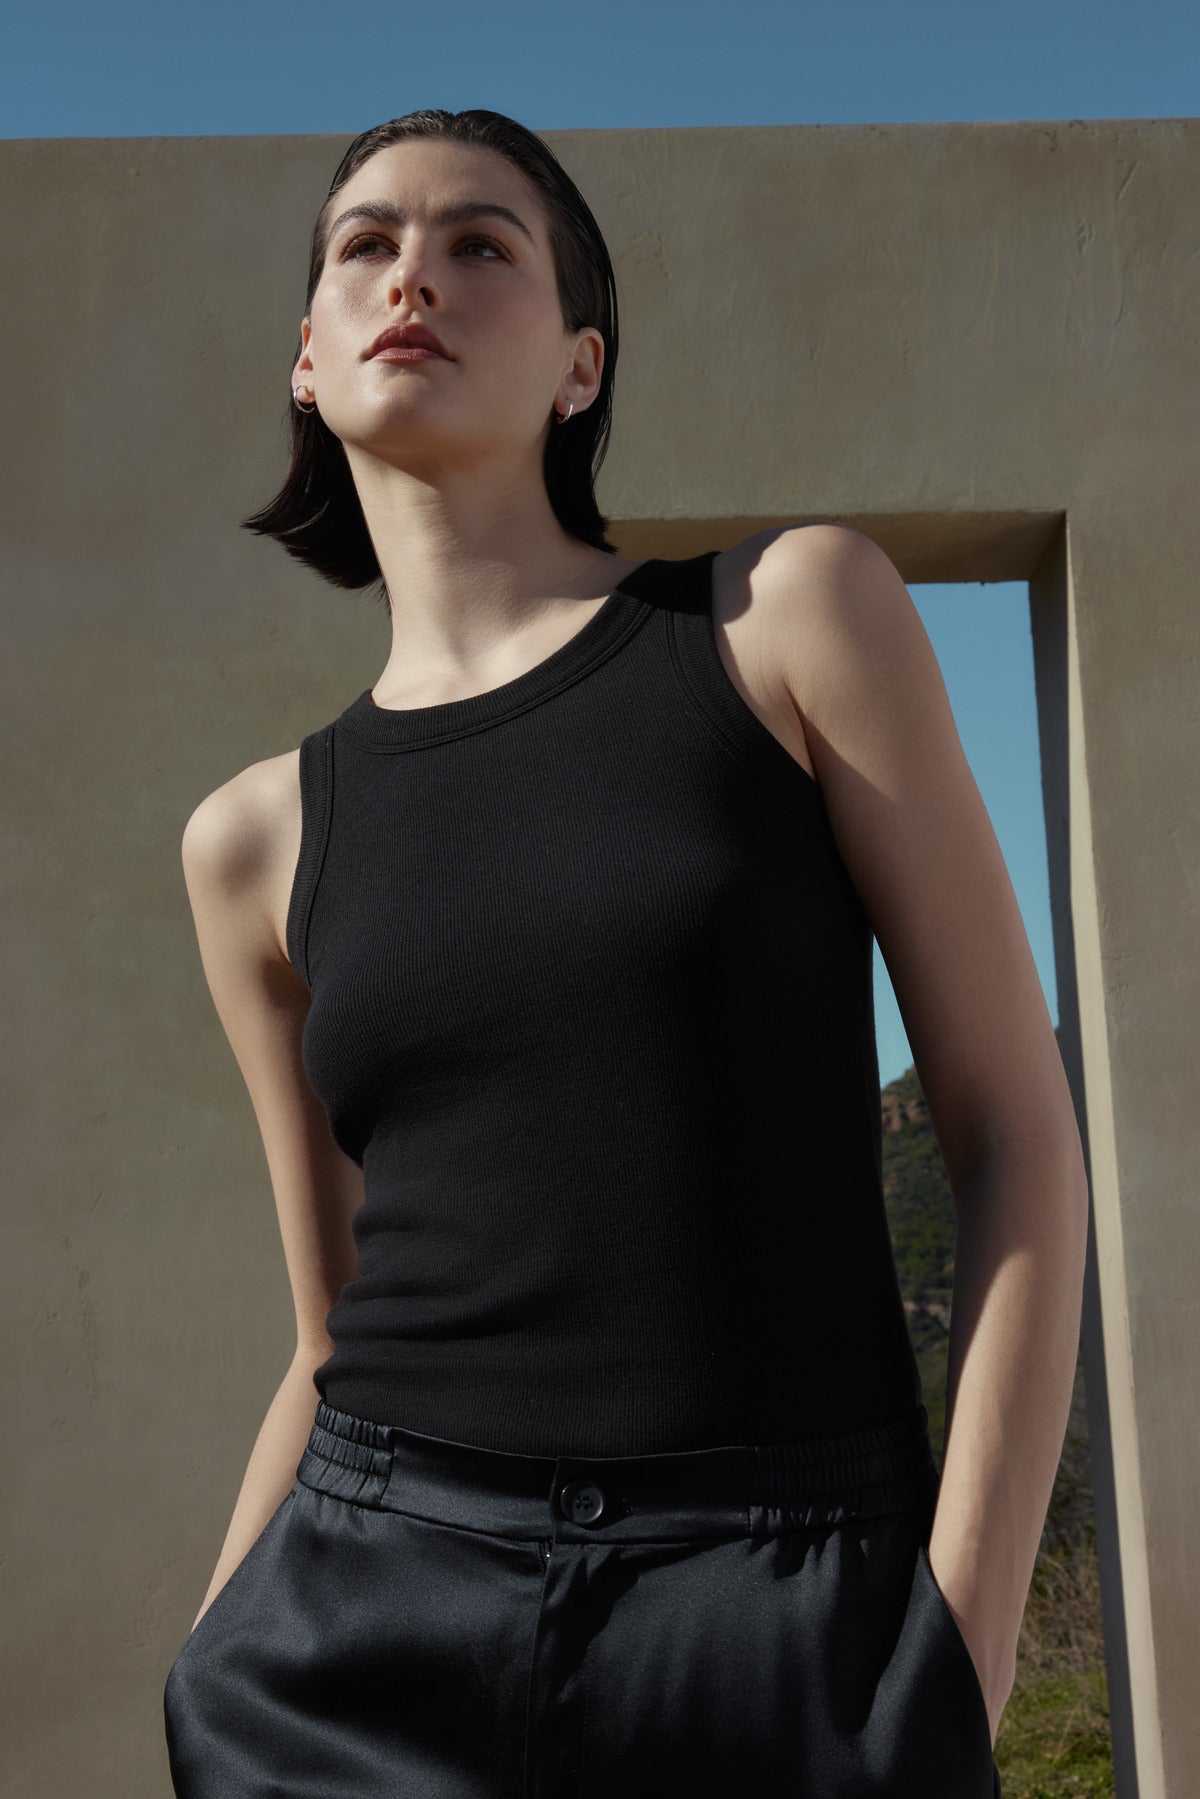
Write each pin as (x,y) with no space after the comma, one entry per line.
(316,515)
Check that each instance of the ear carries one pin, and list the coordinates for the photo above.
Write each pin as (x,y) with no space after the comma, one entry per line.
(586,368)
(303,365)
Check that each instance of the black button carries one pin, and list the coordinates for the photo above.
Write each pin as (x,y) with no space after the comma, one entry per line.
(582,1501)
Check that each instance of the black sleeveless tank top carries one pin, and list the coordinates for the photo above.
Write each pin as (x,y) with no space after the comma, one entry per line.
(592,1008)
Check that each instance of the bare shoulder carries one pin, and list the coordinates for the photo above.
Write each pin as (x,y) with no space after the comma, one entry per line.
(241,843)
(814,588)
(840,637)
(836,625)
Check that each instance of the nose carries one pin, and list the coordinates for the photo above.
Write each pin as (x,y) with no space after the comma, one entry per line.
(411,274)
(406,287)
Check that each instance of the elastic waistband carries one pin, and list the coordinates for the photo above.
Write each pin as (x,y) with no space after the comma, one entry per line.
(733,1490)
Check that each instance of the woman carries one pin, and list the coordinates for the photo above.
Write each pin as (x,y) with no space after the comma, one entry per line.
(602,1464)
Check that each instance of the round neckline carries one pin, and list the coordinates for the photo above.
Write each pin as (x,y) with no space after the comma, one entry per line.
(404,727)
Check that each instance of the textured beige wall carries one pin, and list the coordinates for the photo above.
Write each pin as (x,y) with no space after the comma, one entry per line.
(978,343)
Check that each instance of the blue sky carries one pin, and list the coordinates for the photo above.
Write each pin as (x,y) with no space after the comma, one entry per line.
(216,69)
(158,69)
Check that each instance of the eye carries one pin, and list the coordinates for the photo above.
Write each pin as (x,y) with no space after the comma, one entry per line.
(349,253)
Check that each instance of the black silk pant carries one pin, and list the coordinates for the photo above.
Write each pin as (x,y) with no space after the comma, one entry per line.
(422,1617)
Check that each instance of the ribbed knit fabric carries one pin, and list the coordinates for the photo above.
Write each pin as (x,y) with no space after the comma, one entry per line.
(592,1007)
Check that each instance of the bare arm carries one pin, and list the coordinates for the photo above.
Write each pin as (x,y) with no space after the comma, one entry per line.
(920,849)
(239,855)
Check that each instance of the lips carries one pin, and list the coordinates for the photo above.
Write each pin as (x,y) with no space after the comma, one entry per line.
(411,336)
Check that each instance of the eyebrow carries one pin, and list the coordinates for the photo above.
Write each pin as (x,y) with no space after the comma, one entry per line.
(385,212)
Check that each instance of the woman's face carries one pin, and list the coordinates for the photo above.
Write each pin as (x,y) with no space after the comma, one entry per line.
(482,285)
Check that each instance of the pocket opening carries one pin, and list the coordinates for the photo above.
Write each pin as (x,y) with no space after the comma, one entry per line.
(250,1555)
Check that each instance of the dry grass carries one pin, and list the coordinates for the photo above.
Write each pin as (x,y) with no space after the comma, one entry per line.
(1054,1740)
(1063,1632)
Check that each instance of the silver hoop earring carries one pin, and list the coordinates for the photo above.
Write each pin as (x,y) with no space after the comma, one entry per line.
(300,403)
(562,417)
